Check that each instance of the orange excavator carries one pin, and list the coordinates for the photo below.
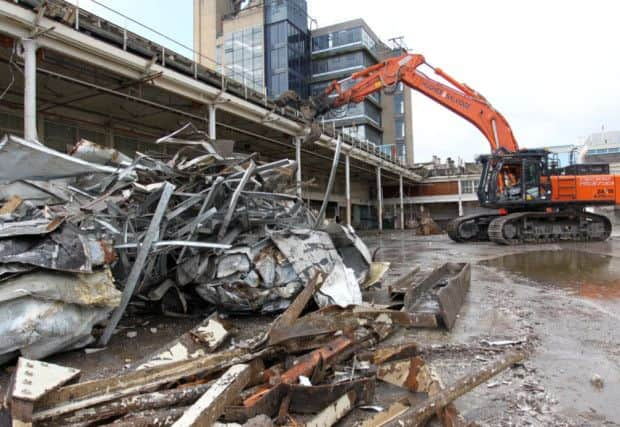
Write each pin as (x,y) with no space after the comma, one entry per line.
(535,200)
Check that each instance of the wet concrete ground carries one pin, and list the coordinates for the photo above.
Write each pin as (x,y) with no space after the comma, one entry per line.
(563,298)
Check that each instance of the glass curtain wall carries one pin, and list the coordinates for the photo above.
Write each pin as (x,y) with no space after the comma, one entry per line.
(243,58)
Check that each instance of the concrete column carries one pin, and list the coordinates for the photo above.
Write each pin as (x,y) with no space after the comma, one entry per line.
(347,173)
(460,198)
(402,202)
(379,200)
(29,54)
(212,132)
(298,160)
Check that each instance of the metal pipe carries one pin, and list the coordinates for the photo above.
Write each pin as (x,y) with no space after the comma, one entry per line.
(29,54)
(379,200)
(402,203)
(330,183)
(347,169)
(460,193)
(298,160)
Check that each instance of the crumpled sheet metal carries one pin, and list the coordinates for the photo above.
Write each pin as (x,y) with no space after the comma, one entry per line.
(96,289)
(42,313)
(268,277)
(351,248)
(255,278)
(29,227)
(308,250)
(21,159)
(62,250)
(94,153)
(39,328)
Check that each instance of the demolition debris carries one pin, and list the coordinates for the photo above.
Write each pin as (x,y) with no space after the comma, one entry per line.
(91,236)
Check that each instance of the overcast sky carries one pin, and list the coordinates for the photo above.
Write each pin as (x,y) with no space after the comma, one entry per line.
(551,67)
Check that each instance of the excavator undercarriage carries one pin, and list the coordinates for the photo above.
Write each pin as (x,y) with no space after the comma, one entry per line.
(531,227)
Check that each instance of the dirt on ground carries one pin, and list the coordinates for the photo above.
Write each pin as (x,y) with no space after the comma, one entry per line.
(566,316)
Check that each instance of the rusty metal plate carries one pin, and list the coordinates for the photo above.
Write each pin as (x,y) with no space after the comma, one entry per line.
(452,296)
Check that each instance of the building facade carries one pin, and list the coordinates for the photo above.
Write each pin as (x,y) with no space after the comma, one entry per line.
(287,38)
(262,44)
(383,118)
(267,46)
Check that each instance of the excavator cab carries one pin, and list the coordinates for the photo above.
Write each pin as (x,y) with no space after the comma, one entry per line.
(515,180)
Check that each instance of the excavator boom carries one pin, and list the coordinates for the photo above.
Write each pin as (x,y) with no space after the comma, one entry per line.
(457,97)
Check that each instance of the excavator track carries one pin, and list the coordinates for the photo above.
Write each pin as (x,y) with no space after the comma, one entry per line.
(470,228)
(544,227)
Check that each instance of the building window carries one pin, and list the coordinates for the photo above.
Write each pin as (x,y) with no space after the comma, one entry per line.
(399,125)
(399,104)
(344,62)
(469,186)
(243,57)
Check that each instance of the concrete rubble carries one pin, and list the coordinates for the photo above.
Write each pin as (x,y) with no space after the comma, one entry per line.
(93,236)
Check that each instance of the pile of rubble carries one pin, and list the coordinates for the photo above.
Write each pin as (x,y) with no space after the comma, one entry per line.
(186,233)
(85,236)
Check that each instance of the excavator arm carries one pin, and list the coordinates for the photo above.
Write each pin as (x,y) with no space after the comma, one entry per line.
(460,99)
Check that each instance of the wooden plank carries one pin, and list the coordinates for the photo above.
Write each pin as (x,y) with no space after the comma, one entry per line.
(83,395)
(212,404)
(419,414)
(132,404)
(334,412)
(199,341)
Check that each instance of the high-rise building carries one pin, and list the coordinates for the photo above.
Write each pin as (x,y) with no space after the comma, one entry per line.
(264,44)
(383,119)
(267,45)
(337,52)
(287,60)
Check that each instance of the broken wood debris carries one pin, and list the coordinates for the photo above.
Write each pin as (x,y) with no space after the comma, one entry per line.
(280,376)
(212,404)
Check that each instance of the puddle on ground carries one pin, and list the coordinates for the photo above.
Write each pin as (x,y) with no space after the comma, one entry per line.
(581,273)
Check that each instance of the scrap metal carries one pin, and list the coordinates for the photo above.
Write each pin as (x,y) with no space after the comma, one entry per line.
(440,295)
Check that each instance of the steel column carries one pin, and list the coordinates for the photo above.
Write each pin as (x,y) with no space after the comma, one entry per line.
(379,200)
(298,160)
(402,203)
(347,173)
(460,198)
